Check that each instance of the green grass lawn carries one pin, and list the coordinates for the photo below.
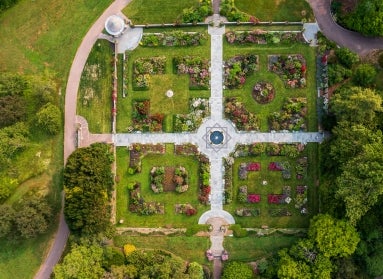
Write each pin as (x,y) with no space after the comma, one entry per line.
(277,10)
(44,35)
(159,84)
(263,111)
(157,11)
(275,183)
(189,248)
(252,248)
(169,199)
(95,91)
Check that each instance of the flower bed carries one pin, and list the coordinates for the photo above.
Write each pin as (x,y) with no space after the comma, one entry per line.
(279,212)
(144,67)
(185,208)
(190,122)
(173,38)
(138,205)
(186,149)
(137,151)
(169,179)
(238,68)
(242,194)
(259,36)
(244,168)
(263,92)
(247,212)
(253,198)
(142,119)
(301,168)
(291,69)
(197,69)
(292,117)
(275,166)
(276,198)
(204,189)
(237,113)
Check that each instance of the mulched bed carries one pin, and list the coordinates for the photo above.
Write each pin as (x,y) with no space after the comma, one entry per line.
(168,183)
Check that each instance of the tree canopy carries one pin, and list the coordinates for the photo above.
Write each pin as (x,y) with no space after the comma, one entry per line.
(82,262)
(332,237)
(237,270)
(88,183)
(367,18)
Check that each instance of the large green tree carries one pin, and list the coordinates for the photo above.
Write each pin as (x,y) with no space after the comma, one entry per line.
(360,185)
(88,183)
(82,262)
(289,268)
(356,105)
(33,216)
(332,237)
(367,18)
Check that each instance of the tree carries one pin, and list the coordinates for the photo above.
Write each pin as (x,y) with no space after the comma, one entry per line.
(124,271)
(12,110)
(82,262)
(348,141)
(332,237)
(7,216)
(367,18)
(291,269)
(32,217)
(364,75)
(195,271)
(360,185)
(356,105)
(346,57)
(237,270)
(88,182)
(13,139)
(49,119)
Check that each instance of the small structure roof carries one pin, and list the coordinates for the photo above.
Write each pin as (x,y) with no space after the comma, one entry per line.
(114,25)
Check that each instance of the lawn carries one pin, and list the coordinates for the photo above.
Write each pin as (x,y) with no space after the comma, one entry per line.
(44,35)
(191,249)
(95,91)
(275,183)
(169,199)
(160,84)
(277,10)
(147,11)
(263,51)
(253,248)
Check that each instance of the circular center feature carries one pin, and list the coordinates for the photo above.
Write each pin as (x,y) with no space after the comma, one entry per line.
(216,137)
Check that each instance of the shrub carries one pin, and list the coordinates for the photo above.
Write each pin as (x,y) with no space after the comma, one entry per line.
(380,60)
(364,75)
(257,148)
(346,57)
(238,231)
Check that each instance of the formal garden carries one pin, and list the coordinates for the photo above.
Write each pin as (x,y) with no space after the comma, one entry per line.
(271,185)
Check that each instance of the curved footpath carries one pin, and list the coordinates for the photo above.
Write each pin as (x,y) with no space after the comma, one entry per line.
(77,67)
(343,37)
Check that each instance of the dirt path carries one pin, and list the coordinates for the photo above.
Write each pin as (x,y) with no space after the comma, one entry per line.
(343,37)
(70,129)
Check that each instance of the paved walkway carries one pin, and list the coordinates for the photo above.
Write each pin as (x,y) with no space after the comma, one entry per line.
(343,37)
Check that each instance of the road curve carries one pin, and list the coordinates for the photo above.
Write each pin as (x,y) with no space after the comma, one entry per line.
(73,83)
(343,37)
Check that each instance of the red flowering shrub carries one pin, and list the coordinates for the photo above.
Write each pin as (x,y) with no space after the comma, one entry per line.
(253,198)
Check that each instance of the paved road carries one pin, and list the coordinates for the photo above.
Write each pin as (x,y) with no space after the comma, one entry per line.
(343,37)
(78,64)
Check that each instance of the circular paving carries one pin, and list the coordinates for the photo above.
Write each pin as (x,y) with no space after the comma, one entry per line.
(216,137)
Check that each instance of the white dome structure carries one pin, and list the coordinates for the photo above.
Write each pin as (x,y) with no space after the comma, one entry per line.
(114,25)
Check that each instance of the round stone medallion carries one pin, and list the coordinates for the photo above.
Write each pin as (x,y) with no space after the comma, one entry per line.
(216,137)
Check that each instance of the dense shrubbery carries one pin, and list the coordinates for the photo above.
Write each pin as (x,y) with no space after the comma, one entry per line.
(197,14)
(230,11)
